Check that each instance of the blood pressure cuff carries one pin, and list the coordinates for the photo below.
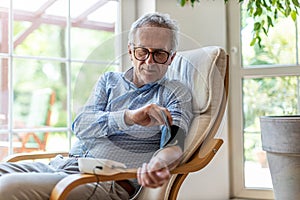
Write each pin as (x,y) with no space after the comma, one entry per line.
(173,136)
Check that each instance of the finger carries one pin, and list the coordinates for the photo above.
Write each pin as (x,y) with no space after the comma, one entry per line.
(155,116)
(157,164)
(169,116)
(139,175)
(153,179)
(144,175)
(164,174)
(166,116)
(141,118)
(158,172)
(158,178)
(149,179)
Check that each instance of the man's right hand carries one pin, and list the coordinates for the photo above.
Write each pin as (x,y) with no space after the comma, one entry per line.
(149,115)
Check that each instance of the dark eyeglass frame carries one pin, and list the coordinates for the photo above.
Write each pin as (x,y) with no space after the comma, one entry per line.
(153,54)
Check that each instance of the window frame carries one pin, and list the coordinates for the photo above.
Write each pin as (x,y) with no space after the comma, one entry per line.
(237,73)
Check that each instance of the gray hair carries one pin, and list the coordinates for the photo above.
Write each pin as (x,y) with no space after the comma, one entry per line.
(156,20)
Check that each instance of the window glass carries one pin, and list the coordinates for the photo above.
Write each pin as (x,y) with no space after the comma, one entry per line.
(92,25)
(84,42)
(3,92)
(58,138)
(277,48)
(37,84)
(4,5)
(37,33)
(46,40)
(3,107)
(39,141)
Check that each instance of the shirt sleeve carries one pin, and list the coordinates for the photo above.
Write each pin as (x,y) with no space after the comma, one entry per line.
(93,120)
(179,103)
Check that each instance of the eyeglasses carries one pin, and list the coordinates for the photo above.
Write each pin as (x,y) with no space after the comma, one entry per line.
(159,56)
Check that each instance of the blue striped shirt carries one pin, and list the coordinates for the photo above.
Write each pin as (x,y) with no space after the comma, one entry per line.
(100,125)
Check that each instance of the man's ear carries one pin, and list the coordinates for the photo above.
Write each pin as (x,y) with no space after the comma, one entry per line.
(172,57)
(129,52)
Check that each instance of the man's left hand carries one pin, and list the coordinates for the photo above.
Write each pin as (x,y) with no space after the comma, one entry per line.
(153,174)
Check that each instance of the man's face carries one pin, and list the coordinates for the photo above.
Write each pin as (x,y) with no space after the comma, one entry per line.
(148,69)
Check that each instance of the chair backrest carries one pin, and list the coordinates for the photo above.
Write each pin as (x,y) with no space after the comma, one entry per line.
(40,113)
(40,107)
(203,70)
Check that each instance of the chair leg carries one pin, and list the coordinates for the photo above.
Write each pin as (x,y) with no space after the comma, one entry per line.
(176,186)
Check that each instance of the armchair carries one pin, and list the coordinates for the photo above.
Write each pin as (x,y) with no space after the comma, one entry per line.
(40,111)
(205,71)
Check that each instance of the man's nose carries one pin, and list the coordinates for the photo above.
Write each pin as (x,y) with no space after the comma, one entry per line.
(150,59)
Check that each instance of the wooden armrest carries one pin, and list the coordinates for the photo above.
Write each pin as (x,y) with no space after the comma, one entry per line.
(201,158)
(33,156)
(198,161)
(64,186)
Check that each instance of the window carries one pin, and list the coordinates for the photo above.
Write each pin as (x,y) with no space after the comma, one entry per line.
(51,54)
(264,81)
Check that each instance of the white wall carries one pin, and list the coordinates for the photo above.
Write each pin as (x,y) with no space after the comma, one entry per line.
(205,24)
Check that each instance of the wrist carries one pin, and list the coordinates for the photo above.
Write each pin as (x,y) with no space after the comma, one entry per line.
(127,118)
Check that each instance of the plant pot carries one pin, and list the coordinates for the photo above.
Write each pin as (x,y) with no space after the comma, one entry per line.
(281,140)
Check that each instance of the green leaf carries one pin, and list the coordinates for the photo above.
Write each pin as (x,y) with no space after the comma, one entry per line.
(257,26)
(273,2)
(288,8)
(275,14)
(294,15)
(253,41)
(250,7)
(250,10)
(259,41)
(296,3)
(181,2)
(265,31)
(270,21)
(258,11)
(265,4)
(287,11)
(192,3)
(279,5)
